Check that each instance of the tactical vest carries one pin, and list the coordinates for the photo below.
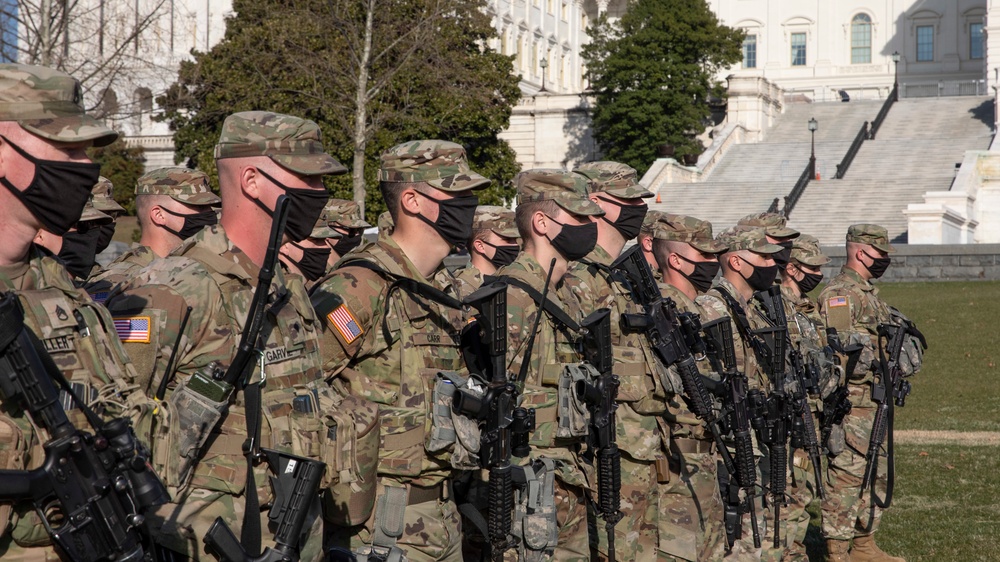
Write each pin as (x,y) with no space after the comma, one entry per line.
(410,340)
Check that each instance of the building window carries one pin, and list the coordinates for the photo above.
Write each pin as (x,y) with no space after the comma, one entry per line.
(798,49)
(550,6)
(564,11)
(975,40)
(750,51)
(861,39)
(925,43)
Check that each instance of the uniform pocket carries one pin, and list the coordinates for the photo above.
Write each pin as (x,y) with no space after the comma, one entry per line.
(12,451)
(350,451)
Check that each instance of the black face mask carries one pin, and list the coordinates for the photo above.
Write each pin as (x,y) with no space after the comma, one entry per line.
(454,222)
(347,243)
(810,281)
(762,277)
(575,241)
(79,251)
(304,208)
(504,255)
(313,262)
(57,193)
(703,275)
(104,238)
(878,266)
(193,223)
(782,258)
(629,219)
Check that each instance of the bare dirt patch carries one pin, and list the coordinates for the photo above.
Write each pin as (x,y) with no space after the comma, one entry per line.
(972,438)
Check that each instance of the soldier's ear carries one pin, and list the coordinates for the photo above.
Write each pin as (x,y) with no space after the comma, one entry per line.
(540,223)
(647,243)
(248,182)
(409,201)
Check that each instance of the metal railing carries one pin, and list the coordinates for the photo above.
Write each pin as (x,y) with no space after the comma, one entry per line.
(845,163)
(946,88)
(882,113)
(800,186)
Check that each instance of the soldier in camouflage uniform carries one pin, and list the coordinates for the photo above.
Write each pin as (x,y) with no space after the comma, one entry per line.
(195,301)
(645,241)
(104,202)
(747,267)
(641,396)
(555,220)
(692,506)
(806,330)
(77,248)
(850,303)
(172,204)
(309,258)
(345,220)
(778,233)
(47,179)
(386,336)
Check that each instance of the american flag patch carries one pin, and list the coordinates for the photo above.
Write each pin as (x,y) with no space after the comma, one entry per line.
(837,301)
(345,323)
(99,297)
(133,330)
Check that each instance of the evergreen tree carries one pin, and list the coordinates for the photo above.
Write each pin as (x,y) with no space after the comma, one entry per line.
(652,74)
(123,165)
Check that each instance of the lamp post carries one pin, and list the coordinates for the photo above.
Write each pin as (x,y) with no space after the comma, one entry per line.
(895,81)
(544,63)
(813,125)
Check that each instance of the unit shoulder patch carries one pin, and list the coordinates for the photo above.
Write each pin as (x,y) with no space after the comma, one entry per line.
(133,329)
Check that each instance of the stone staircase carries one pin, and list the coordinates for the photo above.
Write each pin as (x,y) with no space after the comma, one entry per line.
(915,151)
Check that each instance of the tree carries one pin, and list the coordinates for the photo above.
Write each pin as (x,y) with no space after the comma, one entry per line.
(652,75)
(122,165)
(371,73)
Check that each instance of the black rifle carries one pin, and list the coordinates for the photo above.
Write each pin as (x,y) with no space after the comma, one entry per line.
(600,398)
(772,415)
(671,334)
(92,490)
(504,427)
(889,389)
(722,355)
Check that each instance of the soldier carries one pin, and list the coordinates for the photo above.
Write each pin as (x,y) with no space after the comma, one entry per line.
(47,179)
(555,220)
(104,202)
(344,218)
(193,305)
(807,334)
(493,245)
(747,266)
(645,241)
(642,398)
(850,303)
(77,249)
(387,333)
(688,257)
(778,233)
(310,258)
(171,204)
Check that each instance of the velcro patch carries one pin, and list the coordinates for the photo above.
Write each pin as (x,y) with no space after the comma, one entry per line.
(344,321)
(836,301)
(133,329)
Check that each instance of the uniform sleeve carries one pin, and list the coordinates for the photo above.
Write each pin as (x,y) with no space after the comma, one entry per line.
(346,305)
(521,313)
(840,308)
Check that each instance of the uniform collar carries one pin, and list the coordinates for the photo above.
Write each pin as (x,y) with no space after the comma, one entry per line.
(599,255)
(863,284)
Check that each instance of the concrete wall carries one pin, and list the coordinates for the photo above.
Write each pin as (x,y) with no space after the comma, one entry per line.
(972,262)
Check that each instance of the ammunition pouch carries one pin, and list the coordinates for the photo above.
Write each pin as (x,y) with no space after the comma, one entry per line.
(388,528)
(535,524)
(188,418)
(350,450)
(911,356)
(836,441)
(13,447)
(450,428)
(572,414)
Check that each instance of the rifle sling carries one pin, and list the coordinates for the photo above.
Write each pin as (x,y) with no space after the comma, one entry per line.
(550,308)
(742,324)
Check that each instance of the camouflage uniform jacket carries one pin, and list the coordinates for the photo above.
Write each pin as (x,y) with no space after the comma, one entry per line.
(555,347)
(80,337)
(122,269)
(808,334)
(387,348)
(746,359)
(642,394)
(852,306)
(459,283)
(213,277)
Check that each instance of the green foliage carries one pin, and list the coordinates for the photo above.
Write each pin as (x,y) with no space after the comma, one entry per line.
(300,60)
(122,165)
(652,75)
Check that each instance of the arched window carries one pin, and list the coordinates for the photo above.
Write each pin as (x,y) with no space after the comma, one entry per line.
(861,39)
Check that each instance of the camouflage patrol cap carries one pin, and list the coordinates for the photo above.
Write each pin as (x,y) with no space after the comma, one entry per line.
(742,237)
(322,228)
(180,184)
(343,213)
(774,224)
(613,178)
(441,164)
(103,200)
(805,249)
(871,234)
(498,219)
(291,142)
(48,103)
(567,189)
(648,221)
(91,214)
(682,228)
(385,222)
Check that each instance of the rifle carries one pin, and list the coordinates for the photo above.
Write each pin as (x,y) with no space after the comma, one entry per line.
(504,427)
(93,489)
(772,415)
(722,355)
(889,389)
(600,398)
